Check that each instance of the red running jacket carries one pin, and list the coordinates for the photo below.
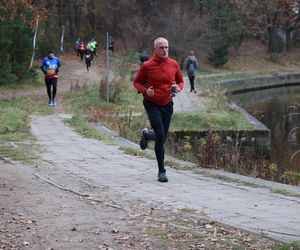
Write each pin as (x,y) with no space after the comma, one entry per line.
(161,74)
(82,46)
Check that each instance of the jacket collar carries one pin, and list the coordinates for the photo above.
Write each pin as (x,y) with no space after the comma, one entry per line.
(158,59)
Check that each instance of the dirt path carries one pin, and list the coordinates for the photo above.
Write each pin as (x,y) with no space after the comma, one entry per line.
(135,178)
(73,74)
(87,194)
(186,101)
(38,214)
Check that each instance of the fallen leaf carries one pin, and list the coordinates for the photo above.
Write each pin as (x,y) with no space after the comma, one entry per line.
(127,237)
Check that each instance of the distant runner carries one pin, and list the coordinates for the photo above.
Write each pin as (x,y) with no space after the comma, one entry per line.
(191,65)
(50,66)
(88,60)
(95,46)
(81,49)
(77,42)
(91,48)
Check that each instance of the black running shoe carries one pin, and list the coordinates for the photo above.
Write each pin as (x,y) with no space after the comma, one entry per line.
(143,141)
(162,177)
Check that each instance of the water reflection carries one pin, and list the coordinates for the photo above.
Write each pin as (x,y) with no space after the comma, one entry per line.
(279,110)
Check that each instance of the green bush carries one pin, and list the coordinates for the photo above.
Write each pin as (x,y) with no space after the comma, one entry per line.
(219,56)
(276,44)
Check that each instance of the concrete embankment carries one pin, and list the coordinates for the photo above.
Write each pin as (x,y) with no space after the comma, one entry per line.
(188,102)
(234,87)
(259,83)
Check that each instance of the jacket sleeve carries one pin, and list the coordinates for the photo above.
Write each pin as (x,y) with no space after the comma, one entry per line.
(140,79)
(42,67)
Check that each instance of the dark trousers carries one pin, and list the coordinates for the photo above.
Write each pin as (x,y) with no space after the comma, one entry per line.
(81,52)
(92,54)
(160,119)
(51,83)
(192,82)
(88,63)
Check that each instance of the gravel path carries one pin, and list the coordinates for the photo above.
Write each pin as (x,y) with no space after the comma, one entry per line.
(186,101)
(252,208)
(88,194)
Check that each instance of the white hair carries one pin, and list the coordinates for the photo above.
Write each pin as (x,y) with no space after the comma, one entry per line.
(158,40)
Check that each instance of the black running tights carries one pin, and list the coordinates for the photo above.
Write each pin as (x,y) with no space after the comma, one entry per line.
(51,83)
(160,118)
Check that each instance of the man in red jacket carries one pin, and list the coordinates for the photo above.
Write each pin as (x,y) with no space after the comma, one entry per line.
(159,79)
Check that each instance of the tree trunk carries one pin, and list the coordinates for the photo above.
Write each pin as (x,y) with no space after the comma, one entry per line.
(270,33)
(288,44)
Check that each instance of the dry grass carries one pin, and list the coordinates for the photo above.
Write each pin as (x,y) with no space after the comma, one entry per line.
(253,57)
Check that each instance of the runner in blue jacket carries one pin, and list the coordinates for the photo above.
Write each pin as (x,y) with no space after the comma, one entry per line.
(50,66)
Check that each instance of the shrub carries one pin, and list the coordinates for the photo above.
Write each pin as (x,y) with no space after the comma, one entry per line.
(291,177)
(219,56)
(239,155)
(276,44)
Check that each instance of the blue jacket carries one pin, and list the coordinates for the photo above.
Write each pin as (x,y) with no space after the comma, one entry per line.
(50,67)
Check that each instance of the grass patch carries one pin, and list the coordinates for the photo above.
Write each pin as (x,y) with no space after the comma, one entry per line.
(176,165)
(23,85)
(19,152)
(289,246)
(84,128)
(188,210)
(285,192)
(249,184)
(136,152)
(13,124)
(124,116)
(14,127)
(216,114)
(230,180)
(202,122)
(80,100)
(226,77)
(14,116)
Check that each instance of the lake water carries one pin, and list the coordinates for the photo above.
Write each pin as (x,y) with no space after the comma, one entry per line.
(279,110)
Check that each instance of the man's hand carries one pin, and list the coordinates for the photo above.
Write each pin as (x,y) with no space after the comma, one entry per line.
(176,89)
(150,91)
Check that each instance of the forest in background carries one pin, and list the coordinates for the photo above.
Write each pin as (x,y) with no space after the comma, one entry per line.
(214,28)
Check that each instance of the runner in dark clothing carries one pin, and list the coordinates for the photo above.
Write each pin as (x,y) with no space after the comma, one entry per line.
(191,65)
(88,60)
